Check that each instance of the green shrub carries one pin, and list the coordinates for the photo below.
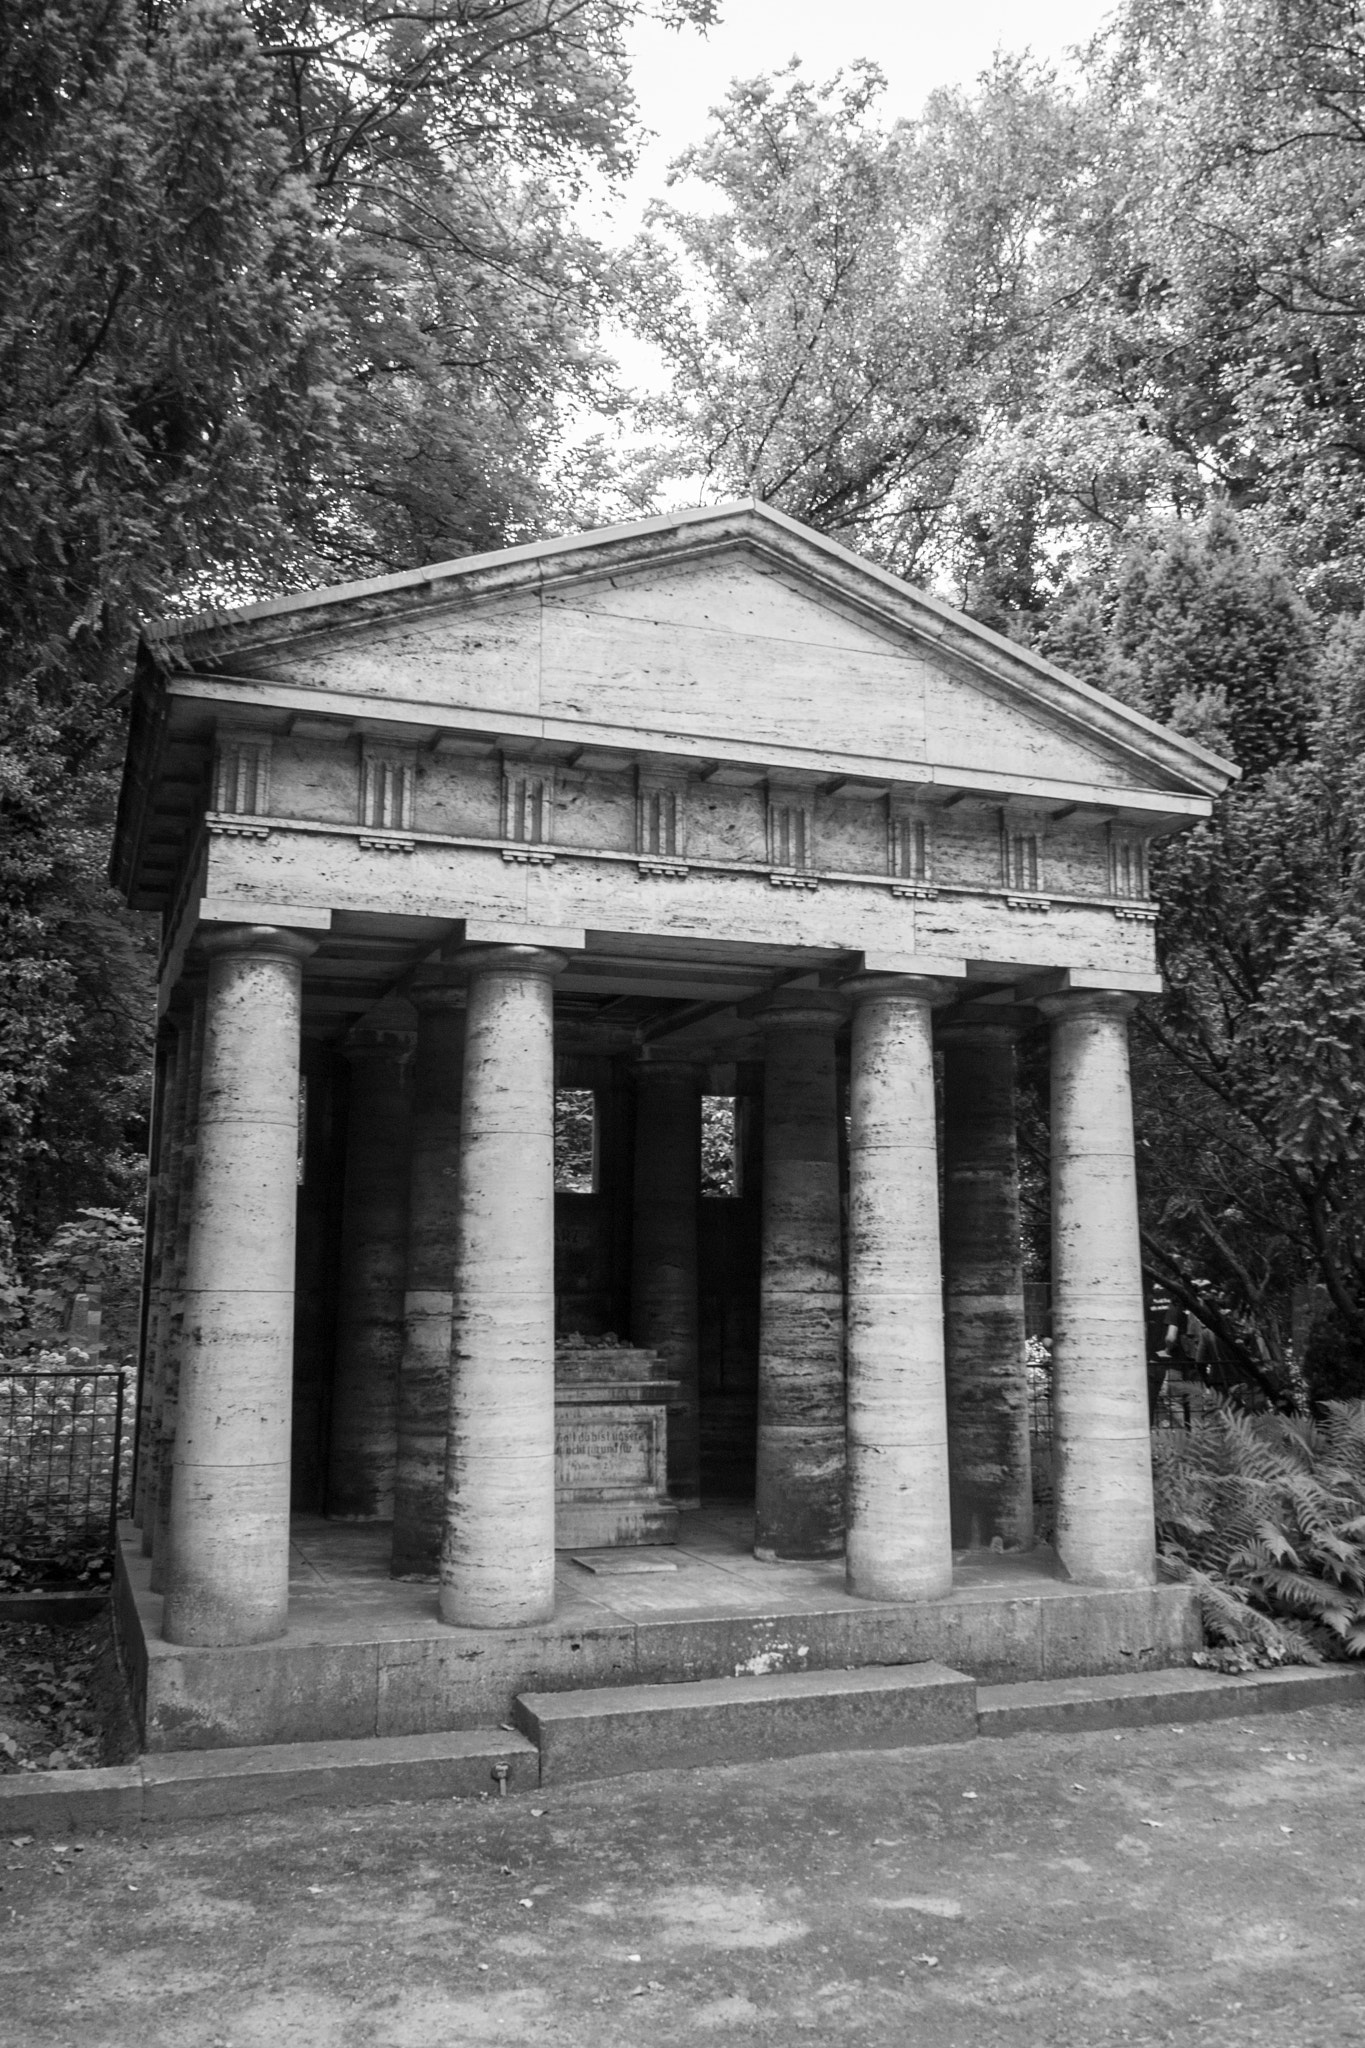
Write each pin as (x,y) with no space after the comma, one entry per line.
(1264,1515)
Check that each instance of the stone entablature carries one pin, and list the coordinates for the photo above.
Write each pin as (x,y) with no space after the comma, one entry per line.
(565,892)
(973,844)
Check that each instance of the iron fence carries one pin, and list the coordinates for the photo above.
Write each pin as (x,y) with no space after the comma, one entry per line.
(64,1468)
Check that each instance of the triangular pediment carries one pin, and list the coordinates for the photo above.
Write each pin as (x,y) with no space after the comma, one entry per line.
(734,630)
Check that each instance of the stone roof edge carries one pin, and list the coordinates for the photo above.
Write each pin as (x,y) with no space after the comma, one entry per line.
(196,640)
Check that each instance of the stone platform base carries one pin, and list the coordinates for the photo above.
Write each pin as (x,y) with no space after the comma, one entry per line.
(366,1655)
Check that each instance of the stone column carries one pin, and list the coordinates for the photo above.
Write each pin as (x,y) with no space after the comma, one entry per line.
(433,1213)
(1101,1445)
(663,1269)
(989,1474)
(801,1427)
(498,1551)
(899,1542)
(228,1576)
(363,1449)
(174,1307)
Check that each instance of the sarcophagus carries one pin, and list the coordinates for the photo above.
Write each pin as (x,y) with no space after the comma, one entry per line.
(611,1447)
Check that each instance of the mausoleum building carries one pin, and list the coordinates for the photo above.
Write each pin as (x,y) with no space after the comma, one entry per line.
(702,824)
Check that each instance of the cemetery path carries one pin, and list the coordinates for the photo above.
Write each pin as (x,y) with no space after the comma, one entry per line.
(1193,1886)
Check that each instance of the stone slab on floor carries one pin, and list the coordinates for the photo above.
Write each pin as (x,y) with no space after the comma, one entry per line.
(205,1784)
(609,1731)
(1136,1699)
(366,1655)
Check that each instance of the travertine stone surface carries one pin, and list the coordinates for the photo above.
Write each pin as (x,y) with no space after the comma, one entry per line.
(899,1542)
(497,1555)
(373,1271)
(229,1561)
(800,1485)
(988,1420)
(663,1278)
(1101,1446)
(174,1309)
(433,1209)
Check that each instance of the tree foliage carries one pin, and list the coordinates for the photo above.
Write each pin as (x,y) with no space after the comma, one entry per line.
(288,290)
(1250,1071)
(1264,1515)
(983,342)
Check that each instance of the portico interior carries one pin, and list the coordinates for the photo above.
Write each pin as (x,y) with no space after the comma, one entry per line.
(701,807)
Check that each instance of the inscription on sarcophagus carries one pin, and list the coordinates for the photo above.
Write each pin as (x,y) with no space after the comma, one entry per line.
(611,1447)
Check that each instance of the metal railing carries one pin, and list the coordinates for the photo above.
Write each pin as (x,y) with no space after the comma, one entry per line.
(64,1467)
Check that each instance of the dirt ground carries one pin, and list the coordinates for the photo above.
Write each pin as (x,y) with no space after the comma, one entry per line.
(62,1703)
(1201,1885)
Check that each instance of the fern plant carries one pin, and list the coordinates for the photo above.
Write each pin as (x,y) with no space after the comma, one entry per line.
(1264,1515)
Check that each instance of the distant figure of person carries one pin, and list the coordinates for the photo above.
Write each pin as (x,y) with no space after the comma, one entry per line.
(1200,1348)
(1163,1337)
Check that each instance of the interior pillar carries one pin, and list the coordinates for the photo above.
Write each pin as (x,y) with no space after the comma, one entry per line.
(1101,1444)
(364,1430)
(433,1213)
(497,1554)
(799,1506)
(989,1474)
(663,1275)
(899,1544)
(228,1579)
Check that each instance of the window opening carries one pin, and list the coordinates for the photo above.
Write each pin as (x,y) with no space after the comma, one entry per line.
(719,1145)
(575,1141)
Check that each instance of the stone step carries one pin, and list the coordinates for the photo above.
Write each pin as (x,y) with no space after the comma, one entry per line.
(611,1730)
(1139,1699)
(200,1784)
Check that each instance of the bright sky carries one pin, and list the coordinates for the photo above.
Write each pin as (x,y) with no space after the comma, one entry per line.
(679,76)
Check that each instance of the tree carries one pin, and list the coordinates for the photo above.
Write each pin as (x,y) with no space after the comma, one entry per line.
(838,326)
(1250,1071)
(160,407)
(287,290)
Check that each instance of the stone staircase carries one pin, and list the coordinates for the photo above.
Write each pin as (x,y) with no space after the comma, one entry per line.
(620,1728)
(575,1737)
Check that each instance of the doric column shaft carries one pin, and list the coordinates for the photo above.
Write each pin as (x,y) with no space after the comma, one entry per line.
(801,1428)
(1101,1446)
(363,1450)
(229,1558)
(497,1555)
(173,1328)
(663,1271)
(899,1542)
(433,1214)
(988,1420)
